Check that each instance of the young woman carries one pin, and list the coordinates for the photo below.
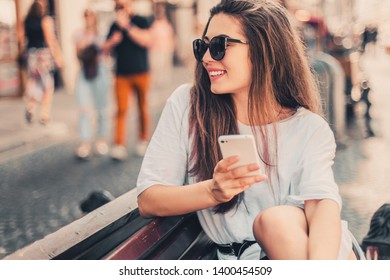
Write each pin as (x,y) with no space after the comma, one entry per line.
(42,47)
(163,46)
(92,87)
(252,77)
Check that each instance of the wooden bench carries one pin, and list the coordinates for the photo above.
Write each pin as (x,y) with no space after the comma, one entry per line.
(116,231)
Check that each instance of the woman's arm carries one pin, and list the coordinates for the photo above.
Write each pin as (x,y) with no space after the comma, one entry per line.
(160,200)
(21,36)
(324,222)
(315,184)
(80,45)
(51,40)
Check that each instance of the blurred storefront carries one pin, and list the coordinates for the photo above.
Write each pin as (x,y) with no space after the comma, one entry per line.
(10,80)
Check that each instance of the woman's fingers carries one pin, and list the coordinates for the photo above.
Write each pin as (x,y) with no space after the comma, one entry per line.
(224,191)
(228,183)
(223,165)
(237,172)
(243,170)
(243,183)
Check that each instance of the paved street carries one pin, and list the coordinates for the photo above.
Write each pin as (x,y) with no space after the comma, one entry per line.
(362,170)
(41,183)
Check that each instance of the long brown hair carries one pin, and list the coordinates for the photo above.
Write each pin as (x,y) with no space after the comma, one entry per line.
(36,10)
(281,78)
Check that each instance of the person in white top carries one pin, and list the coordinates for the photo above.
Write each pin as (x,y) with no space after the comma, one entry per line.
(92,89)
(162,47)
(252,77)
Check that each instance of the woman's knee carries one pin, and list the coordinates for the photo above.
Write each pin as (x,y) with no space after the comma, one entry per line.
(278,220)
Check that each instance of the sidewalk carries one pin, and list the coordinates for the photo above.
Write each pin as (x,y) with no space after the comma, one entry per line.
(17,137)
(362,169)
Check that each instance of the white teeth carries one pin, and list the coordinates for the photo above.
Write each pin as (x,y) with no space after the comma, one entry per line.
(216,73)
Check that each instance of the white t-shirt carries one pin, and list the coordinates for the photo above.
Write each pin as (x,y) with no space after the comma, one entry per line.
(306,148)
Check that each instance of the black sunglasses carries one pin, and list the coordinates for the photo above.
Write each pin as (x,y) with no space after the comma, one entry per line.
(119,7)
(217,47)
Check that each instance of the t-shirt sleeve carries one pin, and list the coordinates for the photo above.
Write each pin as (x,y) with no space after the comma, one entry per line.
(142,22)
(313,178)
(165,161)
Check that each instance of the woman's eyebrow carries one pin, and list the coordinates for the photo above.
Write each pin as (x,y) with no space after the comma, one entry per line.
(219,35)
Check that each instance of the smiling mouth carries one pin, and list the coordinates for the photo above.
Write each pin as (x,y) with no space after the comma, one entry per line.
(216,73)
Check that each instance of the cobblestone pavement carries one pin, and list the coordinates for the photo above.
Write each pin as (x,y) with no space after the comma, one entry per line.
(362,169)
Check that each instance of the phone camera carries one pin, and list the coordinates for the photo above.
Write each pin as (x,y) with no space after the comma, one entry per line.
(222,141)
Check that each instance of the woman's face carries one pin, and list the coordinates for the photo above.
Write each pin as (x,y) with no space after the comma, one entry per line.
(232,74)
(89,18)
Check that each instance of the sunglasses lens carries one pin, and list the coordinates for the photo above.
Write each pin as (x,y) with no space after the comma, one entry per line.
(200,48)
(119,7)
(217,48)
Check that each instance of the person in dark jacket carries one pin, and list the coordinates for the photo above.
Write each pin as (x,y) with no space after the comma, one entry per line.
(128,39)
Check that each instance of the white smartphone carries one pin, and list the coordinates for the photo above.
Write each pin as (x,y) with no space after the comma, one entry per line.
(240,145)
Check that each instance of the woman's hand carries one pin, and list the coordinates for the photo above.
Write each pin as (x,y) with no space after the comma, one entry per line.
(228,183)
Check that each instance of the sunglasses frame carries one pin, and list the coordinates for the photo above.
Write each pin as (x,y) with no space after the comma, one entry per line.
(199,57)
(119,7)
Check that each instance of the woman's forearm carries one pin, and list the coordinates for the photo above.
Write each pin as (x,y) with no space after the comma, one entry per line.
(51,41)
(324,229)
(160,200)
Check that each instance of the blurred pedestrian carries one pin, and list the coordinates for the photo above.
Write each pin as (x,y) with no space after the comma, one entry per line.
(129,38)
(42,48)
(365,90)
(369,36)
(92,88)
(163,46)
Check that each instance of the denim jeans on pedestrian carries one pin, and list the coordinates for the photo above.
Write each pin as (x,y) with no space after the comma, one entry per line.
(92,97)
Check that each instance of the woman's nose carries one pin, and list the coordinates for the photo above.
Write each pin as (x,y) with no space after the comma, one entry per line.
(207,57)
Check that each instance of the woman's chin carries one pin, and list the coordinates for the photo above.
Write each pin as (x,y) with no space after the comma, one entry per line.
(217,90)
